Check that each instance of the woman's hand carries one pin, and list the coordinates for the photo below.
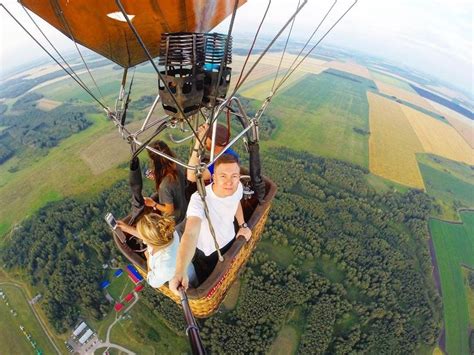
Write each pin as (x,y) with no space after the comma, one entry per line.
(150,202)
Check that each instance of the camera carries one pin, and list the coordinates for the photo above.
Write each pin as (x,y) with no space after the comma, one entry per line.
(110,219)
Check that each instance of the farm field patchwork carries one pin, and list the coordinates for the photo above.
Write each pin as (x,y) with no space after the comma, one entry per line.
(403,94)
(60,173)
(454,245)
(439,138)
(350,67)
(392,156)
(325,114)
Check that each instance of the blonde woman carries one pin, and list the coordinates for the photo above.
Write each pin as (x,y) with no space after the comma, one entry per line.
(158,233)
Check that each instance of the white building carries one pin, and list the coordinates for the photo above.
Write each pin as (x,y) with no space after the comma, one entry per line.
(86,336)
(79,329)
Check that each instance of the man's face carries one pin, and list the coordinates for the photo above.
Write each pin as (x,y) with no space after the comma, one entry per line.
(226,179)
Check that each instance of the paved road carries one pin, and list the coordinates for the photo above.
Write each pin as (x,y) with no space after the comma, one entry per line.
(107,342)
(43,326)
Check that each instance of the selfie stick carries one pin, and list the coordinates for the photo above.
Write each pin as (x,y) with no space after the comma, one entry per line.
(192,330)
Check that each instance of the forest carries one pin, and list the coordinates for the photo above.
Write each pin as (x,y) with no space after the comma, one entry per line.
(358,278)
(31,129)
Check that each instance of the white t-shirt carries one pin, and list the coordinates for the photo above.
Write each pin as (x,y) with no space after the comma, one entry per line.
(162,264)
(221,211)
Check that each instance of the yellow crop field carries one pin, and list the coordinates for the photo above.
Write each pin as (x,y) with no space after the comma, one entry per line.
(351,68)
(462,124)
(438,137)
(392,143)
(261,90)
(405,95)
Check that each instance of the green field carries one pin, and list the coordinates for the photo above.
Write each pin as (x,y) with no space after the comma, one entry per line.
(390,80)
(120,286)
(12,339)
(321,114)
(61,173)
(451,183)
(145,333)
(108,81)
(454,245)
(286,342)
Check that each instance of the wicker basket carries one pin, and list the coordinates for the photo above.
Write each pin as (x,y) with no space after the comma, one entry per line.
(206,298)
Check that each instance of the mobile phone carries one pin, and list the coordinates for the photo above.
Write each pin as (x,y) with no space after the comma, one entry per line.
(110,219)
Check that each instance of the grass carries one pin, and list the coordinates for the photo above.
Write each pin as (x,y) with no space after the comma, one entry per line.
(454,245)
(382,185)
(61,173)
(232,296)
(131,334)
(387,79)
(286,342)
(449,182)
(282,255)
(469,294)
(12,339)
(323,111)
(120,287)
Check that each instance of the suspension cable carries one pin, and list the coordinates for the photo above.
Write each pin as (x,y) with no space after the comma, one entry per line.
(57,62)
(269,46)
(284,49)
(253,44)
(223,62)
(51,44)
(309,39)
(317,43)
(150,58)
(60,12)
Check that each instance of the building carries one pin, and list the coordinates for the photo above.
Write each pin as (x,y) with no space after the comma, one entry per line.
(134,274)
(118,307)
(79,329)
(86,336)
(118,272)
(138,288)
(104,284)
(128,297)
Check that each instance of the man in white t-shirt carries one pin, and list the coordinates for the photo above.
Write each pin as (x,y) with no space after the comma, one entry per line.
(223,201)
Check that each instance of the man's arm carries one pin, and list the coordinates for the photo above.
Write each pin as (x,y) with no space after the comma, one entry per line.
(239,216)
(187,247)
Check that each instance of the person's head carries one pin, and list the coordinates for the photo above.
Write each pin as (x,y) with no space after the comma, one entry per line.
(155,230)
(226,175)
(161,166)
(222,138)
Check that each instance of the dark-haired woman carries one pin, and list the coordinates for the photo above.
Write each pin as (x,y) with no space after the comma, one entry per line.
(170,183)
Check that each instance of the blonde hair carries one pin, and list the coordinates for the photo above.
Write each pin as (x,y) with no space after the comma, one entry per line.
(156,230)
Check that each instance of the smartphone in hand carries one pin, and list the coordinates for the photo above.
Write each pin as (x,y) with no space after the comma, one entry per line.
(110,219)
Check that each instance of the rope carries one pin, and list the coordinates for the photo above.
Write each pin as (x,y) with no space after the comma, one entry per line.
(66,24)
(269,46)
(317,43)
(309,39)
(51,44)
(55,60)
(224,61)
(142,44)
(284,49)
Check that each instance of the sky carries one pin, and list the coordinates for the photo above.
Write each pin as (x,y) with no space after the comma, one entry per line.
(432,36)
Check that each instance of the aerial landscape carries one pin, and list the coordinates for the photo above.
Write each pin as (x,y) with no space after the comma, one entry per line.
(368,246)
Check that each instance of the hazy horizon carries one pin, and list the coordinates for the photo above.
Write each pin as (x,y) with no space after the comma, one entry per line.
(428,36)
